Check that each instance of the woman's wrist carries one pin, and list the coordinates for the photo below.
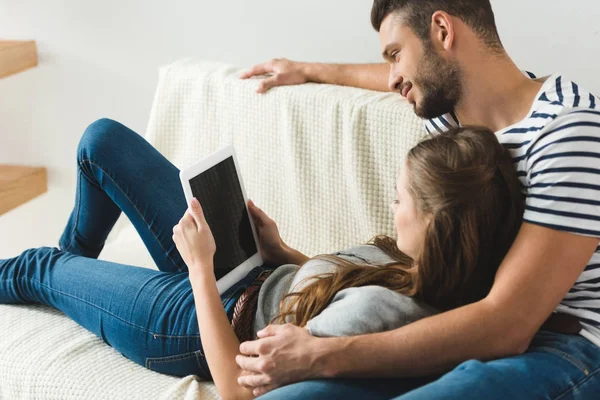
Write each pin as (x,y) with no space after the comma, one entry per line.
(293,256)
(202,273)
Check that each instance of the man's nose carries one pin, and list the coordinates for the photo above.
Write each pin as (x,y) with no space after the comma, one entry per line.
(395,81)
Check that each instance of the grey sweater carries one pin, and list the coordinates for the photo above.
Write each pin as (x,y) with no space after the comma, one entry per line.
(353,311)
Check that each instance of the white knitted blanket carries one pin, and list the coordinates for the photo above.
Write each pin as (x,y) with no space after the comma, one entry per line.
(320,159)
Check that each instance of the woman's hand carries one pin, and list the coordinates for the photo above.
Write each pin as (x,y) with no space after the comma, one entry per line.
(272,247)
(195,241)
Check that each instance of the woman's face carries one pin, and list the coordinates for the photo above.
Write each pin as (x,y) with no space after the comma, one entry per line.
(410,225)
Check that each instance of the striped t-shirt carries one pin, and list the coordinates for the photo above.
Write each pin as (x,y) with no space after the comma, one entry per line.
(556,153)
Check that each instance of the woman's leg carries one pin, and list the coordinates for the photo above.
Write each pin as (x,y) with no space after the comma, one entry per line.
(149,316)
(118,170)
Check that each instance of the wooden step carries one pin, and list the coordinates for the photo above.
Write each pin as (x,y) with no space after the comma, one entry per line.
(17,56)
(19,184)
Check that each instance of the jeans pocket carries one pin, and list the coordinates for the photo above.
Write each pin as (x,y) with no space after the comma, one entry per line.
(571,358)
(192,363)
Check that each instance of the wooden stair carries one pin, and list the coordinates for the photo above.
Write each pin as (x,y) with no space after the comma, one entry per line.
(17,56)
(19,184)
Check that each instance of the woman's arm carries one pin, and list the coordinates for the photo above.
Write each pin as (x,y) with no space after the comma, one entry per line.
(293,256)
(197,247)
(219,341)
(273,248)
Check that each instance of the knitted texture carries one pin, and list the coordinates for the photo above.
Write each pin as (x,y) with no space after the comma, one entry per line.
(321,160)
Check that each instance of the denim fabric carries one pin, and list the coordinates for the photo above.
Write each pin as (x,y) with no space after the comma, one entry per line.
(147,315)
(556,366)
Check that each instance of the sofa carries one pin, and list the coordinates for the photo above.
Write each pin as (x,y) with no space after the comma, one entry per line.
(321,160)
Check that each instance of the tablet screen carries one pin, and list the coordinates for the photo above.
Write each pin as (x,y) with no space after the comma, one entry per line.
(219,192)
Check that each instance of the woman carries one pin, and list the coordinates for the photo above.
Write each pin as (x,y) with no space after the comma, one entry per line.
(457,211)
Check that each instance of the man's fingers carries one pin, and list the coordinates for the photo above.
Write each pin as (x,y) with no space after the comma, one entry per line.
(253,381)
(250,348)
(270,330)
(250,364)
(260,69)
(259,391)
(268,83)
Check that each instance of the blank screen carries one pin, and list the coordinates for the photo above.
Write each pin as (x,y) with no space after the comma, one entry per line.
(219,192)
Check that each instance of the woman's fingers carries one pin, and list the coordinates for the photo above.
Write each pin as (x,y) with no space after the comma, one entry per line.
(194,215)
(256,210)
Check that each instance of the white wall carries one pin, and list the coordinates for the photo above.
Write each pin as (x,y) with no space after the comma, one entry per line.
(100,58)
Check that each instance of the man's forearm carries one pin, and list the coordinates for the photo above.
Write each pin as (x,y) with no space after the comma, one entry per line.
(427,347)
(365,76)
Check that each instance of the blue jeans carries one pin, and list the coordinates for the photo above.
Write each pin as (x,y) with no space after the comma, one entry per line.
(147,315)
(556,366)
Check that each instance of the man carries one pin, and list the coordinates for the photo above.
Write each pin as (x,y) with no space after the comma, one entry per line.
(447,59)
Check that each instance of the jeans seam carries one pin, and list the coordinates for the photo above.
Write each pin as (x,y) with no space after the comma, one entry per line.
(89,303)
(578,364)
(107,172)
(155,335)
(578,384)
(164,360)
(179,357)
(158,335)
(76,212)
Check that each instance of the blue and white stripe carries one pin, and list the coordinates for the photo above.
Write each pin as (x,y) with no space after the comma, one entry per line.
(556,153)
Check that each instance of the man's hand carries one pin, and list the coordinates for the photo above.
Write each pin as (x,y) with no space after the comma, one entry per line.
(283,354)
(284,72)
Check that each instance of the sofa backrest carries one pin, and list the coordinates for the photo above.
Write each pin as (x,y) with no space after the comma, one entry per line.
(321,160)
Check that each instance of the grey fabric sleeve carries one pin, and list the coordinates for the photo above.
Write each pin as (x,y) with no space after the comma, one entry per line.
(367,309)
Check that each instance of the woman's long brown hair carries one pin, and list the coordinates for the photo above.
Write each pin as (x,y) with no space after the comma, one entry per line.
(465,181)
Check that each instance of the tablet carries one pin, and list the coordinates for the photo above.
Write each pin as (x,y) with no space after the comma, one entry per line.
(217,185)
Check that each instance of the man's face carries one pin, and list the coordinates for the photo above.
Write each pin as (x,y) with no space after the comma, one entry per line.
(429,82)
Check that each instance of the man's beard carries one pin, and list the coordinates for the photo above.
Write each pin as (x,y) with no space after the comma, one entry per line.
(440,84)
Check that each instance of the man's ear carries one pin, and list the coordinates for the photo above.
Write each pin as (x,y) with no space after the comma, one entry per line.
(442,30)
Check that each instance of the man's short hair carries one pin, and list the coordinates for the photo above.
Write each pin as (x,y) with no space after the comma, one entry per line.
(476,14)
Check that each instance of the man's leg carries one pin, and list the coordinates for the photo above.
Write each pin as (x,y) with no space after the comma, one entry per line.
(345,389)
(556,366)
(118,170)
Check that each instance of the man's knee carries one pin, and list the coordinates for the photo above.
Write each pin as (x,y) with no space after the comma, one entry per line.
(346,389)
(471,379)
(101,136)
(303,390)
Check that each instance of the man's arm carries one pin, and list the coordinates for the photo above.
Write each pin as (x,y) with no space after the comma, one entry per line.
(286,72)
(541,267)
